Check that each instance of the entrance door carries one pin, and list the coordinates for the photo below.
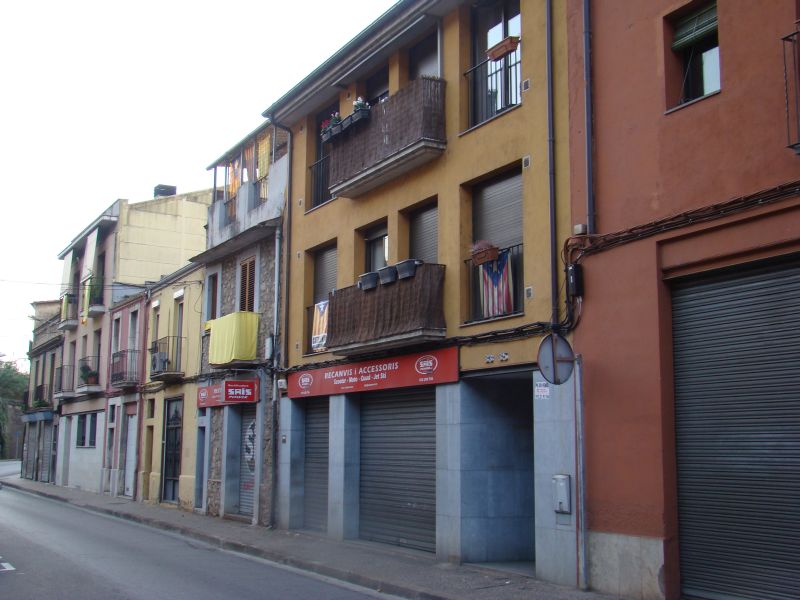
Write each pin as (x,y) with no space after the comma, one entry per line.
(736,340)
(398,468)
(172,450)
(130,454)
(247,464)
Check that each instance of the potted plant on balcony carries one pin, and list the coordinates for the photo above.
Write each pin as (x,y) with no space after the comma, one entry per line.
(368,281)
(336,124)
(325,130)
(407,268)
(88,375)
(483,252)
(360,110)
(387,274)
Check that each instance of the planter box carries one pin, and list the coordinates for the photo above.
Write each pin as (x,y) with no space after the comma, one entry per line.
(407,268)
(388,274)
(368,281)
(360,115)
(502,48)
(486,255)
(325,135)
(336,128)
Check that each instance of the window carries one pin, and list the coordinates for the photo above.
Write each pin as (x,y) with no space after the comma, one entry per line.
(87,431)
(151,408)
(115,333)
(423,58)
(112,413)
(133,330)
(212,295)
(376,253)
(324,281)
(377,86)
(320,170)
(494,84)
(247,284)
(423,234)
(696,46)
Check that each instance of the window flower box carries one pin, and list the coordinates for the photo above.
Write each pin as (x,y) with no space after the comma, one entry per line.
(483,252)
(368,281)
(388,274)
(407,268)
(502,48)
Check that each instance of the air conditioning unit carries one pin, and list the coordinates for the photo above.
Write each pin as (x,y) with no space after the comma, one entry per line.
(159,362)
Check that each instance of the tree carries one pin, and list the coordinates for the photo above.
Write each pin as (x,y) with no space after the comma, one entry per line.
(12,387)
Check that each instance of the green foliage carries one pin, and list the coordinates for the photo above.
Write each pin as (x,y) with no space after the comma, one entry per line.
(12,386)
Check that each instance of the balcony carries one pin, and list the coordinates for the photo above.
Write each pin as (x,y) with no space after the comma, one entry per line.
(95,304)
(403,313)
(89,375)
(496,286)
(69,312)
(64,382)
(494,87)
(320,173)
(234,340)
(42,397)
(402,133)
(125,369)
(791,81)
(166,359)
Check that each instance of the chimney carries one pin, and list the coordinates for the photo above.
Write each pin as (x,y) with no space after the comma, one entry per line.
(164,190)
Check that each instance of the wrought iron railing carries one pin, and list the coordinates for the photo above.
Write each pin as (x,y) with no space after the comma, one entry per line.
(64,380)
(494,86)
(320,181)
(125,366)
(791,80)
(166,356)
(89,370)
(496,287)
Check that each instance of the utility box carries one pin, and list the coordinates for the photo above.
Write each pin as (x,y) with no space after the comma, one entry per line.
(562,494)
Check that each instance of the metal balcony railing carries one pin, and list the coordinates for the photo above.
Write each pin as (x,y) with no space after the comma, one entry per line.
(69,307)
(89,370)
(494,86)
(791,80)
(125,367)
(64,380)
(320,181)
(166,357)
(496,287)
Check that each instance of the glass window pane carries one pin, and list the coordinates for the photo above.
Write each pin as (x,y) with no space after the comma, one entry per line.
(711,78)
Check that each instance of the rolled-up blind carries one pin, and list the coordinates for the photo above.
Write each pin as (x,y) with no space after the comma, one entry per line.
(695,27)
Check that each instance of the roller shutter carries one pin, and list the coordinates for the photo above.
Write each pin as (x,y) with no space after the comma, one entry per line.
(324,273)
(247,464)
(497,211)
(45,451)
(315,497)
(737,412)
(398,468)
(423,234)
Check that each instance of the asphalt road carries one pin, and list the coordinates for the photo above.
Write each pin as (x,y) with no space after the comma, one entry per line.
(56,551)
(9,467)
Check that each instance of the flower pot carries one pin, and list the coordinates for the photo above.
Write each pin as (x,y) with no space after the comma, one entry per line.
(485,255)
(388,274)
(502,48)
(368,281)
(407,268)
(336,128)
(360,114)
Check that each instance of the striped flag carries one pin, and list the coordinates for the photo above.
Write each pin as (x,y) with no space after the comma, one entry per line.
(497,286)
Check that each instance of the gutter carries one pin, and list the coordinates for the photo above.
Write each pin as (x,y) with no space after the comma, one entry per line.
(591,215)
(551,166)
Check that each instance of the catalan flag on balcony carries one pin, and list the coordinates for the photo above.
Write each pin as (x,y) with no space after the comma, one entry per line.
(319,327)
(496,286)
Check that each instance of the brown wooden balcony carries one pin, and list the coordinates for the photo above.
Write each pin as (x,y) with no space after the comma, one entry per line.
(402,133)
(403,313)
(125,369)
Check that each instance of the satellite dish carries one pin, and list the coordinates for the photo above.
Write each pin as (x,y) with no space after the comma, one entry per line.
(556,359)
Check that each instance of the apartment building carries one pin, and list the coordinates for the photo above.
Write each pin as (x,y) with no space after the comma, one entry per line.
(234,401)
(125,246)
(688,332)
(429,202)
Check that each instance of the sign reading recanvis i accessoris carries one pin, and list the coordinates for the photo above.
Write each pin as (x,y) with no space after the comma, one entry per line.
(424,368)
(229,392)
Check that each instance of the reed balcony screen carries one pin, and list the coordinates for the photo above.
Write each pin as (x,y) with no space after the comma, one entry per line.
(234,338)
(125,368)
(405,312)
(403,132)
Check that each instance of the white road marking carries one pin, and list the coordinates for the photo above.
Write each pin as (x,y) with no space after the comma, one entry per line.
(6,567)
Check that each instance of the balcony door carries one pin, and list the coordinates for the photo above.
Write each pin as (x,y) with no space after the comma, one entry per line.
(173,428)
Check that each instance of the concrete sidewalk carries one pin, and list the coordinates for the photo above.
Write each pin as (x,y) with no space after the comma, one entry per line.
(384,568)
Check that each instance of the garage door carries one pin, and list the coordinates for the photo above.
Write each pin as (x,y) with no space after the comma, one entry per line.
(315,497)
(398,468)
(247,461)
(737,400)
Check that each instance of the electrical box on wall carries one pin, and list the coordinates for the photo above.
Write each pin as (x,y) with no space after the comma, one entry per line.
(561,494)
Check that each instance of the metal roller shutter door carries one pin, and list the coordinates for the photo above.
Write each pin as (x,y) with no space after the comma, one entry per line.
(247,464)
(33,450)
(736,354)
(45,451)
(398,468)
(315,497)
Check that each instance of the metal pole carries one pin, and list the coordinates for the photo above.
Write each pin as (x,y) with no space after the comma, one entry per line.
(583,570)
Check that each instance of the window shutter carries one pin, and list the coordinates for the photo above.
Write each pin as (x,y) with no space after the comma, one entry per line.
(324,273)
(424,231)
(497,211)
(696,26)
(247,285)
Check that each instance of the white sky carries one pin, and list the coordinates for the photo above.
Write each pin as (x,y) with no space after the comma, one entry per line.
(104,100)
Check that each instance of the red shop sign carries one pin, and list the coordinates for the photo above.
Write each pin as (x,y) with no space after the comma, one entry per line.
(229,392)
(424,368)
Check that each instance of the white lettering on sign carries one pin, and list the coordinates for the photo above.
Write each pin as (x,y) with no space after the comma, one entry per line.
(541,390)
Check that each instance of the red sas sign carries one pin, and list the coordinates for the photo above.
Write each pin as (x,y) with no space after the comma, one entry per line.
(228,392)
(424,368)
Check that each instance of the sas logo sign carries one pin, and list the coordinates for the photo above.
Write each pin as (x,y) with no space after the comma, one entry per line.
(306,381)
(426,365)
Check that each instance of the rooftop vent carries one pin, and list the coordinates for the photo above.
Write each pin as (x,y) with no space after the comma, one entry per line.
(164,190)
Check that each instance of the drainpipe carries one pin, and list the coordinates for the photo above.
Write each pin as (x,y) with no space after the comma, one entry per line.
(439,47)
(551,165)
(587,80)
(583,567)
(279,358)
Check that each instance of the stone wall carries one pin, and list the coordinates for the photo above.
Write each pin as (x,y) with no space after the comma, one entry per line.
(215,469)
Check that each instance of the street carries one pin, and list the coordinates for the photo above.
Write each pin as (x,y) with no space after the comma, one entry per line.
(53,550)
(9,467)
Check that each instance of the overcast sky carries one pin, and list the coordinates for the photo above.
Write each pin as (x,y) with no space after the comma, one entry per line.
(104,100)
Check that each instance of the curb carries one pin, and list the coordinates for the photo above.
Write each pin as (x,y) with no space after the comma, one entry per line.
(226,544)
